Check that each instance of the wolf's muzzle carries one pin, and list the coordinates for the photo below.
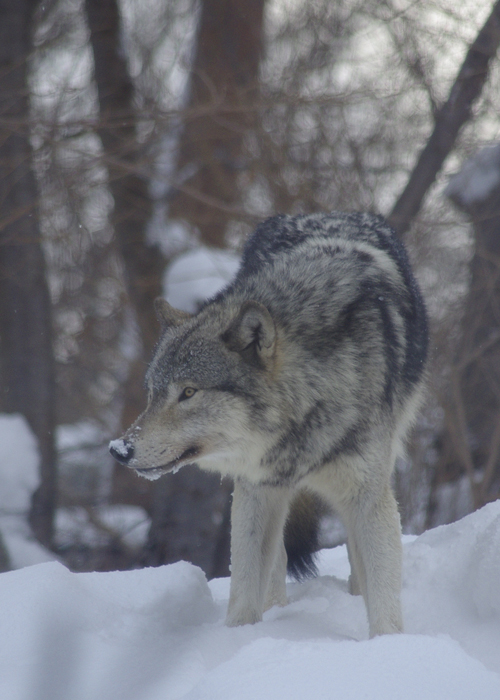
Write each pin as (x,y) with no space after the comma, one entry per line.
(121,450)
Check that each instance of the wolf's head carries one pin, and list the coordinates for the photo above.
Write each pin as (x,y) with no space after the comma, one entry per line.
(205,386)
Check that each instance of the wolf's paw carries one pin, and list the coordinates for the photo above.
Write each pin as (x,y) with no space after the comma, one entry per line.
(279,600)
(353,585)
(248,616)
(390,625)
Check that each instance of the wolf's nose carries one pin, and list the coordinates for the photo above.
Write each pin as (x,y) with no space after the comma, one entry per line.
(121,450)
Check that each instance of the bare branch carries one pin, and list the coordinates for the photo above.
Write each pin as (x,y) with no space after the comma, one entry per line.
(451,117)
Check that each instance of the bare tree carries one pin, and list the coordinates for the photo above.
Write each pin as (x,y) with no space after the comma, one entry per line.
(28,385)
(222,109)
(128,177)
(128,184)
(449,119)
(472,431)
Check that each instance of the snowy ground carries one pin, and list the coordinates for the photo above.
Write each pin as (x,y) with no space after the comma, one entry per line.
(158,634)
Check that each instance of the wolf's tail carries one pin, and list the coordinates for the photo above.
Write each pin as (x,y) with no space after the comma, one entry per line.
(302,534)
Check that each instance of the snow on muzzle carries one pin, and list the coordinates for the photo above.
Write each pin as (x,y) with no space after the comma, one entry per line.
(121,450)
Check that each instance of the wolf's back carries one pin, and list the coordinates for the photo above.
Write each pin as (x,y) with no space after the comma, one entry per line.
(319,272)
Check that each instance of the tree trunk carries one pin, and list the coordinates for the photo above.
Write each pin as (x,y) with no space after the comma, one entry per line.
(449,120)
(27,366)
(144,264)
(221,110)
(473,426)
(128,185)
(190,522)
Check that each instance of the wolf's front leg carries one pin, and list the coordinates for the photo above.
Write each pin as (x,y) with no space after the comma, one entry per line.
(257,520)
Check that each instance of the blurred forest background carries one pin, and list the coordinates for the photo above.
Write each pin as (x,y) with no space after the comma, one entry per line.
(142,140)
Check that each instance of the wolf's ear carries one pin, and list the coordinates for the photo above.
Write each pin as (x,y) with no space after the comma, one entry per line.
(167,315)
(252,333)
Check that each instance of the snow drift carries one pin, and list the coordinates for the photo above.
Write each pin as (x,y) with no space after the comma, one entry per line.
(159,634)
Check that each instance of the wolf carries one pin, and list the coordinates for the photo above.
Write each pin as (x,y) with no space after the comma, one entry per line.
(301,378)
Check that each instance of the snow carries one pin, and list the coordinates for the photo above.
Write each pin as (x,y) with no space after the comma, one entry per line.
(18,465)
(198,275)
(413,669)
(159,634)
(119,447)
(477,179)
(19,478)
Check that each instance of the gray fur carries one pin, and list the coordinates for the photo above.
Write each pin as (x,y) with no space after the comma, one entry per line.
(308,371)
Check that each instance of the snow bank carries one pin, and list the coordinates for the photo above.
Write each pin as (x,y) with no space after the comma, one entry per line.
(454,570)
(477,179)
(412,668)
(19,478)
(197,275)
(18,464)
(158,634)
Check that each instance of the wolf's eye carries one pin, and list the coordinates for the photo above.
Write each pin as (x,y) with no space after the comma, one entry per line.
(187,393)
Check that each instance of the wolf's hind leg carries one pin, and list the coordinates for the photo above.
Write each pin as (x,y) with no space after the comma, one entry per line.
(357,574)
(258,517)
(276,590)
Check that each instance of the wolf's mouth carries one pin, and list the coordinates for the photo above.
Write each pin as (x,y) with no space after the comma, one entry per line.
(172,467)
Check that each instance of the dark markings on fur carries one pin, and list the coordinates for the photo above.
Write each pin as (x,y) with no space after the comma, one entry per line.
(281,233)
(290,471)
(349,444)
(232,388)
(416,327)
(391,345)
(283,454)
